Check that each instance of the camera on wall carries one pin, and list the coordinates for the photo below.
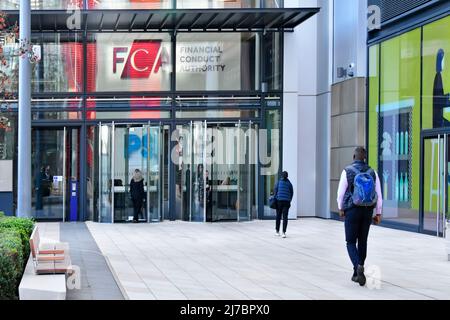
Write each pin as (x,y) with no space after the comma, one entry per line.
(346,72)
(351,70)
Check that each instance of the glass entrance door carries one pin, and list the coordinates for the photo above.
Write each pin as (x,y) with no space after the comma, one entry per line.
(436,182)
(232,166)
(55,173)
(191,174)
(215,165)
(130,180)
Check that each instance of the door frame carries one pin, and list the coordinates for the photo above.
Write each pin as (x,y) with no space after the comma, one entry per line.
(81,169)
(208,124)
(443,134)
(113,124)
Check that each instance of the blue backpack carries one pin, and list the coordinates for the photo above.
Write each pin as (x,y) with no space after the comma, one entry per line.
(364,192)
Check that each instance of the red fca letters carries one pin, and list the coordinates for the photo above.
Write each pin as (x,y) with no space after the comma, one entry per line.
(144,57)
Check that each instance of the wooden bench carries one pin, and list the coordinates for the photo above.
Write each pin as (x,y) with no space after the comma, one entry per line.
(45,274)
(49,257)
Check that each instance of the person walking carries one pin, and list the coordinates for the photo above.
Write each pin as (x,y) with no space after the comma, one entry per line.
(283,192)
(137,193)
(359,193)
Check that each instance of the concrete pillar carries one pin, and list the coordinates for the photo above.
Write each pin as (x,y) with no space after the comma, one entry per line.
(24,132)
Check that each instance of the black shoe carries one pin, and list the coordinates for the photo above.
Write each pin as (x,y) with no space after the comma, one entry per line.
(135,221)
(355,277)
(361,277)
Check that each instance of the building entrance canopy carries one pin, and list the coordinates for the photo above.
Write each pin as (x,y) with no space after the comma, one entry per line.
(274,19)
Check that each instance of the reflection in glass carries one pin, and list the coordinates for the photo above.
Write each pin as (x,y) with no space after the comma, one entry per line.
(272,63)
(399,127)
(217,4)
(270,157)
(436,74)
(55,172)
(42,4)
(8,127)
(207,114)
(433,189)
(60,68)
(129,4)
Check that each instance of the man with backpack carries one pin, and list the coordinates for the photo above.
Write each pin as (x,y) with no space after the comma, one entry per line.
(359,193)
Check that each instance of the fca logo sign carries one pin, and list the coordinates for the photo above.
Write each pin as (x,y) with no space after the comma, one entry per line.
(143,59)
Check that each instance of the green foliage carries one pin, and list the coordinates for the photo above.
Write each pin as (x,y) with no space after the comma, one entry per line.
(11,263)
(23,226)
(14,251)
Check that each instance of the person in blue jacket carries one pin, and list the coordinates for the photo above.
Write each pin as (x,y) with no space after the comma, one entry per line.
(284,192)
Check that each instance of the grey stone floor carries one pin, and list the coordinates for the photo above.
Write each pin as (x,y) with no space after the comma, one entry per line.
(180,260)
(97,281)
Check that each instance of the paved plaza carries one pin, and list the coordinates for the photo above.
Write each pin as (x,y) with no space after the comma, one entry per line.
(181,260)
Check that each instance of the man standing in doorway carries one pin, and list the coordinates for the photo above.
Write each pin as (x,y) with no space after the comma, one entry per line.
(359,193)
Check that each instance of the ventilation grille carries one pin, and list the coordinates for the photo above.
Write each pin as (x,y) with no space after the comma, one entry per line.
(393,8)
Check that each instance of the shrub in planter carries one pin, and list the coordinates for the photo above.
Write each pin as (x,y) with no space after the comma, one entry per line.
(11,263)
(24,227)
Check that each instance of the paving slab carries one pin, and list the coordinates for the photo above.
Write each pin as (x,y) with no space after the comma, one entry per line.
(245,261)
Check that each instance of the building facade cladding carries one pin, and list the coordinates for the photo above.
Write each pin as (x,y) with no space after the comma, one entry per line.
(107,103)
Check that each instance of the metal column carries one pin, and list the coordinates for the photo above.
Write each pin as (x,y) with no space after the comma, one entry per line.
(24,143)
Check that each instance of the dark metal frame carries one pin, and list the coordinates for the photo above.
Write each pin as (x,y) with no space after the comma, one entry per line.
(176,20)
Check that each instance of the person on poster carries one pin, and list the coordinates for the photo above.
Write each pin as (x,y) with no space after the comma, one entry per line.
(441,101)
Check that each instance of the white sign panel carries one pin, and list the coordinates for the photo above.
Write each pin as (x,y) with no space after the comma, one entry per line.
(6,176)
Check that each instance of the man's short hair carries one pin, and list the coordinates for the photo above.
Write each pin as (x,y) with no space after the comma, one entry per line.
(360,153)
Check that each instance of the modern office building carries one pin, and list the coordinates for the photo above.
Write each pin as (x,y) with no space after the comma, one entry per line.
(212,99)
(187,92)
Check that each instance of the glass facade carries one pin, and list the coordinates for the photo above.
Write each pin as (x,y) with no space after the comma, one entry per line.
(409,96)
(107,103)
(60,68)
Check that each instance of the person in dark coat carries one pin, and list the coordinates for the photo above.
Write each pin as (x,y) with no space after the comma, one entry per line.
(137,193)
(284,192)
(441,101)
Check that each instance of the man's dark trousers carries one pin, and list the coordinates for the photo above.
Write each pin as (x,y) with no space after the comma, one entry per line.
(357,225)
(282,211)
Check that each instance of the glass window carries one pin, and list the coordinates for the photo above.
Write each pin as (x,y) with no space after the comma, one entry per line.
(129,4)
(208,114)
(60,68)
(196,4)
(272,62)
(42,4)
(223,102)
(436,75)
(270,142)
(129,103)
(217,61)
(129,115)
(399,127)
(374,90)
(70,103)
(8,125)
(128,62)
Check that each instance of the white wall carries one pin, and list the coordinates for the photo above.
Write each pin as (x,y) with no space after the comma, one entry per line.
(306,110)
(350,36)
